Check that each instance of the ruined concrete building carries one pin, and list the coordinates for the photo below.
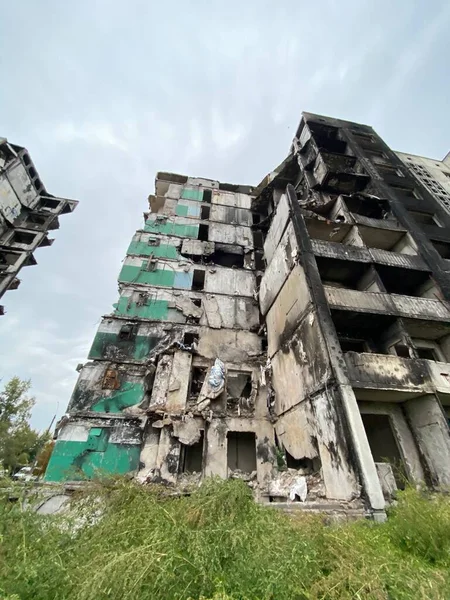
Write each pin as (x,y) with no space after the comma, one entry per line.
(296,334)
(27,213)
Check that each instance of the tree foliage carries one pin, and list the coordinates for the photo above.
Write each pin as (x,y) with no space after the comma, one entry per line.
(19,443)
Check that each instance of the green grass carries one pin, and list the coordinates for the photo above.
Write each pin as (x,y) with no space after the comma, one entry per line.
(218,544)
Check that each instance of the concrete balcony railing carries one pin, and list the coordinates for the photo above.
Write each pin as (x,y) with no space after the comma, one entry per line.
(368,255)
(390,304)
(396,377)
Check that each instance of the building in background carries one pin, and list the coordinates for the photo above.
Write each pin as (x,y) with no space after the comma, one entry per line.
(27,213)
(296,334)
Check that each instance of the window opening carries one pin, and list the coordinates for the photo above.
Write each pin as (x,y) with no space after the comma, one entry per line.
(424,218)
(23,237)
(427,353)
(207,194)
(368,207)
(241,451)
(198,280)
(128,332)
(204,213)
(190,338)
(191,457)
(37,219)
(260,264)
(348,345)
(443,248)
(402,350)
(49,203)
(198,375)
(227,259)
(258,239)
(203,232)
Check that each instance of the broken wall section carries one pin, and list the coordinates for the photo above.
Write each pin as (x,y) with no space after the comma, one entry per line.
(308,426)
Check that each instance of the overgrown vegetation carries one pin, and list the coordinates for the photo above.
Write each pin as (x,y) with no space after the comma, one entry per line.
(19,443)
(218,544)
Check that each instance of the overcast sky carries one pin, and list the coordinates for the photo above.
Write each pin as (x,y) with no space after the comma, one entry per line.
(106,93)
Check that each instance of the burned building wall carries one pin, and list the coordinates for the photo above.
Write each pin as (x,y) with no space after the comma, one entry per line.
(181,354)
(295,334)
(377,286)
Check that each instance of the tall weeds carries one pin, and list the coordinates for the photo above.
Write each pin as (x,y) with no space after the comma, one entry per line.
(123,541)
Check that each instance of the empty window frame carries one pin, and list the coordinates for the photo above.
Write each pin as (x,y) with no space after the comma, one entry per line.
(49,203)
(368,207)
(406,282)
(357,333)
(389,170)
(260,264)
(191,457)
(353,345)
(198,280)
(258,240)
(204,213)
(7,259)
(428,350)
(23,237)
(423,218)
(347,274)
(36,219)
(190,338)
(326,137)
(198,375)
(207,195)
(443,248)
(227,259)
(241,451)
(203,232)
(405,191)
(128,332)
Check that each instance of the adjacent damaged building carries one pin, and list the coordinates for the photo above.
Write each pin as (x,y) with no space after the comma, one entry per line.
(27,213)
(295,334)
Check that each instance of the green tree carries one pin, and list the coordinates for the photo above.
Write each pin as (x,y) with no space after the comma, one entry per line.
(19,443)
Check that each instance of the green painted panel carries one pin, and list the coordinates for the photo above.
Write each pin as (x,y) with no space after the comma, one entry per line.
(166,228)
(181,210)
(128,395)
(161,251)
(187,194)
(98,439)
(108,345)
(74,460)
(163,277)
(154,309)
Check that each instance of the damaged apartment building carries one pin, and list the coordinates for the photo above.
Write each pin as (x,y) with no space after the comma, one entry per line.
(295,334)
(27,213)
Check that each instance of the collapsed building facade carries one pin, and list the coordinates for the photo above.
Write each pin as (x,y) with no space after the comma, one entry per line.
(296,334)
(27,213)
